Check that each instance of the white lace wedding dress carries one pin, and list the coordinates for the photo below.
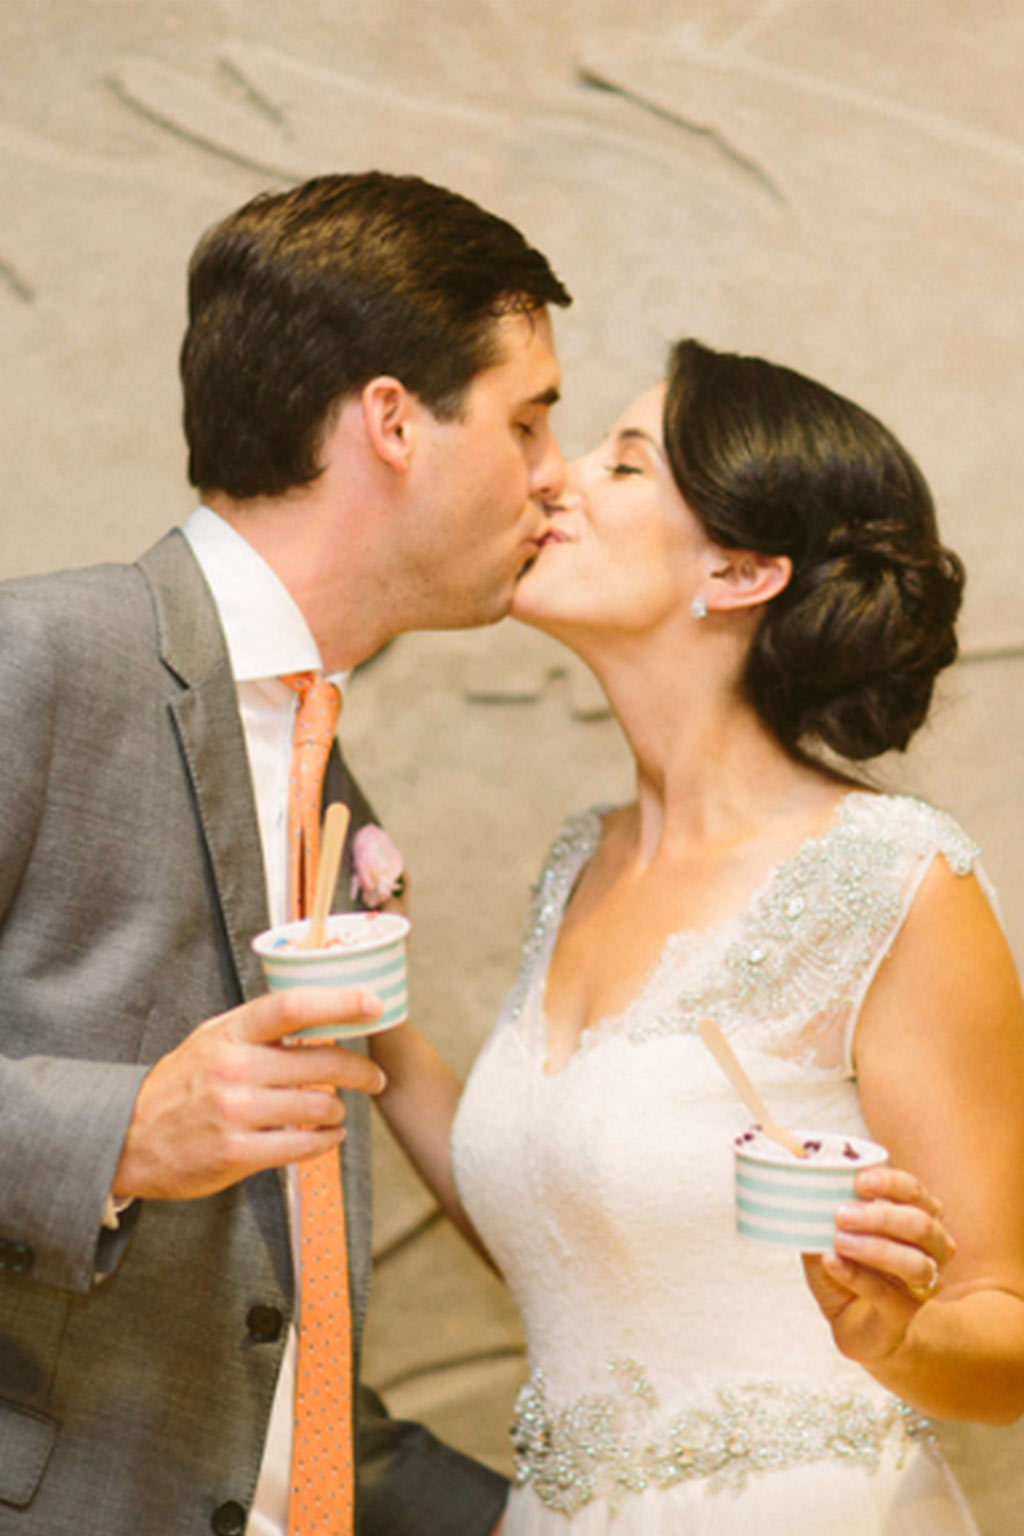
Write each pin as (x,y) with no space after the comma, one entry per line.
(681,1377)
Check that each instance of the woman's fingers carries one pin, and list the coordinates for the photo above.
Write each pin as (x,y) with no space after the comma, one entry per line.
(901,1236)
(913,1267)
(862,1282)
(896,1185)
(869,1313)
(901,1224)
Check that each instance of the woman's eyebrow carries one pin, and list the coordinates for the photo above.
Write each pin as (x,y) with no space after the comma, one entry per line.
(635,434)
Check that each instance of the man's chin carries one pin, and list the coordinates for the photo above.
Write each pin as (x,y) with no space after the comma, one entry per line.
(483,614)
(520,604)
(500,602)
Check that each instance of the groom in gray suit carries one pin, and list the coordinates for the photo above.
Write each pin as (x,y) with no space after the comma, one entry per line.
(368,374)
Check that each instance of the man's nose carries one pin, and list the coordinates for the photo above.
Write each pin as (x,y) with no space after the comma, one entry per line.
(547,478)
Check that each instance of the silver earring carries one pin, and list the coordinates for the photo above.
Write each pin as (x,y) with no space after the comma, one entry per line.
(698,607)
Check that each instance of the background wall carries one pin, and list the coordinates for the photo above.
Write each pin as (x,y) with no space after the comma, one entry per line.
(834,183)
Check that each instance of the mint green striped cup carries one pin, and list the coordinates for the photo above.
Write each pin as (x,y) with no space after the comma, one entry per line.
(790,1201)
(363,949)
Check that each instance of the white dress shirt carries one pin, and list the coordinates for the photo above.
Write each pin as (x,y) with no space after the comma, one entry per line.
(267,636)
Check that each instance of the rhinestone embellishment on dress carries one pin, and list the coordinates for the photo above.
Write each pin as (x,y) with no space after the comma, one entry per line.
(799,950)
(611,1445)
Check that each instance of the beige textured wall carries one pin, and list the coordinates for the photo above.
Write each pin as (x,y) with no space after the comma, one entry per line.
(835,183)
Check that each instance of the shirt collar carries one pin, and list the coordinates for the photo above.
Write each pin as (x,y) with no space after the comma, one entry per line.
(265,630)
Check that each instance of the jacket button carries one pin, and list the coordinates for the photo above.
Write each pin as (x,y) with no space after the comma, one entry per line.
(16,1258)
(264,1324)
(228,1519)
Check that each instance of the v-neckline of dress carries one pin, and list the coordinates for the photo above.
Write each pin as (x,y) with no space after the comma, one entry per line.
(715,934)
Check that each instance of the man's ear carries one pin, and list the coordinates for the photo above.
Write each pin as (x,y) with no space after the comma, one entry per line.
(389,418)
(741,578)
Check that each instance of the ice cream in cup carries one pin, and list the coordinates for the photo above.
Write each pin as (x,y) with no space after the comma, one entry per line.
(790,1201)
(361,949)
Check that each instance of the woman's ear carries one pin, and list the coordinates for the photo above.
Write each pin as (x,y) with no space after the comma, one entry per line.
(741,578)
(388,416)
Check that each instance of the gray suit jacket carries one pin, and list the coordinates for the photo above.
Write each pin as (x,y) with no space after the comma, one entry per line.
(131,882)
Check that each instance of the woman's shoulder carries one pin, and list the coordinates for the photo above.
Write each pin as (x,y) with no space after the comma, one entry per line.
(577,837)
(573,846)
(911,826)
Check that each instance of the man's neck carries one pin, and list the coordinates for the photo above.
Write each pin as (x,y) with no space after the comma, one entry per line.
(327,575)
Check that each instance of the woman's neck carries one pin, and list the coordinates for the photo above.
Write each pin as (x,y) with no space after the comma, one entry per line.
(707,767)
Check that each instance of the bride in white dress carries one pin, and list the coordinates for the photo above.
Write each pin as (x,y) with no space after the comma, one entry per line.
(750,565)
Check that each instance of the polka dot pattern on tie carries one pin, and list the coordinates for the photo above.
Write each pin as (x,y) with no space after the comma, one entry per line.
(323,1478)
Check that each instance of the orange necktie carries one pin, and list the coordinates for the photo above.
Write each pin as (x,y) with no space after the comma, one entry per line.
(322,1481)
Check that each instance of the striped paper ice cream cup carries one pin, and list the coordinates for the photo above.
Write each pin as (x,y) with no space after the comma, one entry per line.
(363,949)
(790,1201)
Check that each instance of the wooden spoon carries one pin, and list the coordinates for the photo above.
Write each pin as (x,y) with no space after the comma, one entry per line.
(726,1057)
(332,841)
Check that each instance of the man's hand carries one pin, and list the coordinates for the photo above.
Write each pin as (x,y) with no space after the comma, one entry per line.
(231,1099)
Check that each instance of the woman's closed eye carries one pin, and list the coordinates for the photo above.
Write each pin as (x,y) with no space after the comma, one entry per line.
(619,469)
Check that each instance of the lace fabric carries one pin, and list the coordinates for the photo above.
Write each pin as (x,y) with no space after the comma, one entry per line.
(605,1193)
(796,961)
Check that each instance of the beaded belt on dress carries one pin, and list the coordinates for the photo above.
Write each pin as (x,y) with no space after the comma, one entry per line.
(610,1445)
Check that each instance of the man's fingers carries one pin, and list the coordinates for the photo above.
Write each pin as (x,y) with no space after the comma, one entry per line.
(275,1109)
(275,1149)
(300,1065)
(276,1015)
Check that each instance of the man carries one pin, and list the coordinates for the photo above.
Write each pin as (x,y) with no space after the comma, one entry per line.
(368,375)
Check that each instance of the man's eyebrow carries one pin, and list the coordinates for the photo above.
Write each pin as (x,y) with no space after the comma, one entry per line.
(546,397)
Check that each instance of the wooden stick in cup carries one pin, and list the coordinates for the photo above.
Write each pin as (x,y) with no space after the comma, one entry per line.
(332,841)
(726,1057)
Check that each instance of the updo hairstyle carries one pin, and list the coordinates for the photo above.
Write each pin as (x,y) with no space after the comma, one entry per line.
(847,654)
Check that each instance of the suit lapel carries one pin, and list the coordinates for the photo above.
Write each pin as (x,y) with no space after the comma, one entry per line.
(209,729)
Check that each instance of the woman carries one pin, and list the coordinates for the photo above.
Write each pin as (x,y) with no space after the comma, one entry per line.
(750,566)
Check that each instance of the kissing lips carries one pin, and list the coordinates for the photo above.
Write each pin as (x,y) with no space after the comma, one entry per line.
(552,536)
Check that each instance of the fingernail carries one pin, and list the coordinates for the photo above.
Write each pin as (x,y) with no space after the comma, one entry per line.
(848,1213)
(868,1182)
(371,1004)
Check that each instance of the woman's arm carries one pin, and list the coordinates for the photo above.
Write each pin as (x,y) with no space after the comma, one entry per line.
(419,1102)
(419,1105)
(940,1063)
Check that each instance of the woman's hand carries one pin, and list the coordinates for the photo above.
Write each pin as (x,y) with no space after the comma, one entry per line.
(890,1250)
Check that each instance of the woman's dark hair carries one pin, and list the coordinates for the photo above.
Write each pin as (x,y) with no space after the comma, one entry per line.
(301,297)
(768,460)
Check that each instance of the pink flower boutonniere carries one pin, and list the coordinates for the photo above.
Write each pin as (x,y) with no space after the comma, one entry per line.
(379,871)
